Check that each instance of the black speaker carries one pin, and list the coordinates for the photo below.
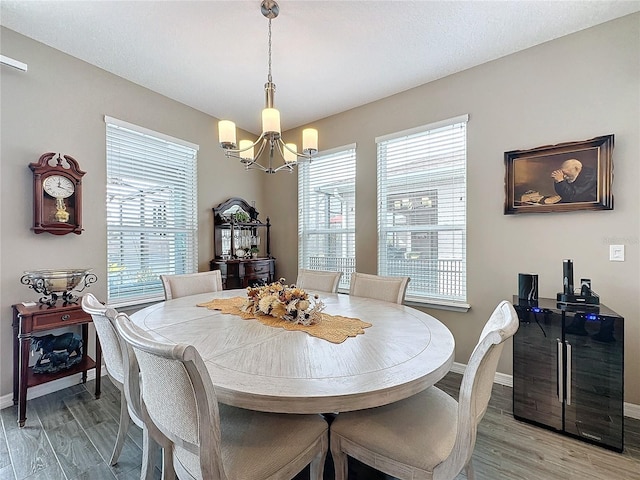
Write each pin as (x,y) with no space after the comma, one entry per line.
(528,286)
(567,277)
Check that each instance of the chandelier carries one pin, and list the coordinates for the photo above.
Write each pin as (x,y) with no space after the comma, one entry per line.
(270,141)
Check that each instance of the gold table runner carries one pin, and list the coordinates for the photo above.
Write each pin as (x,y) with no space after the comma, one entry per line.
(333,328)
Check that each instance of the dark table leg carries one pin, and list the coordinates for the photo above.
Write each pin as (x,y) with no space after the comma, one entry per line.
(25,345)
(85,343)
(98,366)
(16,361)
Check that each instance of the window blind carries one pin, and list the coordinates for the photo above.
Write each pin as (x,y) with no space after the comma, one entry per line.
(327,212)
(151,211)
(422,209)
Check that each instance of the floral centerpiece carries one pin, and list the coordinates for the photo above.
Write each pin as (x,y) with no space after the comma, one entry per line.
(284,301)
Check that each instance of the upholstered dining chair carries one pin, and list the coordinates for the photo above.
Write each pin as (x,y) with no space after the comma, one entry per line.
(318,280)
(211,441)
(429,435)
(389,289)
(176,286)
(122,369)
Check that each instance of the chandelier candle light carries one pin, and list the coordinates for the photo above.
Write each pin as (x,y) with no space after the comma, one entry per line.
(270,138)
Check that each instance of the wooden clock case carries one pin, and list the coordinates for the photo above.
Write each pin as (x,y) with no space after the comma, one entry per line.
(44,205)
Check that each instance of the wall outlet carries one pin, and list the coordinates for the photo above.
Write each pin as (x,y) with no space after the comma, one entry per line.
(616,253)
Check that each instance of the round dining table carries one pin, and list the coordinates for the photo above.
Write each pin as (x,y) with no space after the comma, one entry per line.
(270,369)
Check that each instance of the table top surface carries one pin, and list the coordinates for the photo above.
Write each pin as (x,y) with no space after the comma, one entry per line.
(275,370)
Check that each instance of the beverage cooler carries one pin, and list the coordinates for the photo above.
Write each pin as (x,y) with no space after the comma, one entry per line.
(568,370)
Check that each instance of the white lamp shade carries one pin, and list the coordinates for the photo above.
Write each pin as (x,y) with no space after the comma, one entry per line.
(270,120)
(310,140)
(288,153)
(226,132)
(248,154)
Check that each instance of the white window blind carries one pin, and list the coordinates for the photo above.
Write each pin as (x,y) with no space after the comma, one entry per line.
(151,211)
(327,212)
(422,209)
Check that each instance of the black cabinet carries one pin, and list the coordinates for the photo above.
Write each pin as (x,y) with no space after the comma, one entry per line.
(241,245)
(568,370)
(245,273)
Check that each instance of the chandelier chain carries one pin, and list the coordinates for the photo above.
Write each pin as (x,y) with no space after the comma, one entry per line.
(269,76)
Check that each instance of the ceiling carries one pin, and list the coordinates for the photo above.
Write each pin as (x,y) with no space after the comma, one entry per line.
(328,56)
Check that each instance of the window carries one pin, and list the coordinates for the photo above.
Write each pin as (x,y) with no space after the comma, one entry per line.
(422,210)
(327,212)
(151,211)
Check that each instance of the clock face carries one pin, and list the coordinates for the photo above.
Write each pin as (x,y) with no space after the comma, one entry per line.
(58,186)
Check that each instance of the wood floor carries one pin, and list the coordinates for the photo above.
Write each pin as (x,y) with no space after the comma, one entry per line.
(69,435)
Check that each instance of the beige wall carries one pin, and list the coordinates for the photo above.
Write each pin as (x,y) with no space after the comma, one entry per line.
(59,106)
(578,87)
(574,88)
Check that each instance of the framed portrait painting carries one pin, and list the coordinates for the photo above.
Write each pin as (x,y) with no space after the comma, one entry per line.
(560,178)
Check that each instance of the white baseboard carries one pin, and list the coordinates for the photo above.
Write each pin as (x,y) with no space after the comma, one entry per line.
(631,410)
(49,387)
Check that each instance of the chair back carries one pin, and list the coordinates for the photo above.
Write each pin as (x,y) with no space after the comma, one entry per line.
(318,280)
(119,359)
(475,389)
(103,320)
(178,398)
(176,286)
(389,289)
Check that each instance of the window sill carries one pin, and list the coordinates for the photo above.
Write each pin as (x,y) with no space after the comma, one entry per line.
(437,304)
(424,303)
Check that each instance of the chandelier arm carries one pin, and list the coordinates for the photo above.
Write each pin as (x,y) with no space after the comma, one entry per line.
(265,140)
(280,144)
(277,144)
(284,166)
(240,150)
(303,155)
(253,164)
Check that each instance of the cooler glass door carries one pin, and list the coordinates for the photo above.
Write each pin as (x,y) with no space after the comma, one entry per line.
(594,406)
(538,367)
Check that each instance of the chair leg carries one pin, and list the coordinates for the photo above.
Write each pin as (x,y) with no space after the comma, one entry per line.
(150,450)
(471,475)
(123,427)
(154,439)
(340,459)
(317,464)
(168,471)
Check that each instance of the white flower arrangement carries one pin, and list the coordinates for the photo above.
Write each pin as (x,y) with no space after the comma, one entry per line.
(284,301)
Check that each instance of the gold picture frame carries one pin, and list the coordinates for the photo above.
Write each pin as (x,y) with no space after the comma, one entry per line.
(560,178)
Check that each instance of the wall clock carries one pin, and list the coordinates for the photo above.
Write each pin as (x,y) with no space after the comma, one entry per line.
(57,195)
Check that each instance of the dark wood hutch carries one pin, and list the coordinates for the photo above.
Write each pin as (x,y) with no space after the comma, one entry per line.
(241,245)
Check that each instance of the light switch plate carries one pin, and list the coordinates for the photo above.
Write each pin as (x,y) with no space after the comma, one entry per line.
(616,253)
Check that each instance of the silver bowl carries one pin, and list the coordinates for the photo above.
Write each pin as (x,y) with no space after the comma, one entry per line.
(58,283)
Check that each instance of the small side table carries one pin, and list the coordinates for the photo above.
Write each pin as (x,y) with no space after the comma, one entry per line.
(35,320)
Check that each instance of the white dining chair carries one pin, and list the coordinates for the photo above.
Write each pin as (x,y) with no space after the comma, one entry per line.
(318,280)
(123,372)
(429,435)
(211,441)
(389,289)
(176,286)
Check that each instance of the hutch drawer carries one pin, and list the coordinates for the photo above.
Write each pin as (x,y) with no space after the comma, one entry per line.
(48,321)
